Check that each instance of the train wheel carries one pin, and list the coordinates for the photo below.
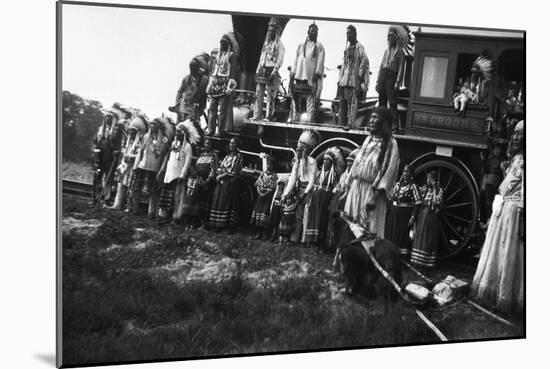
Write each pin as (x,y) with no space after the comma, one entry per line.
(460,208)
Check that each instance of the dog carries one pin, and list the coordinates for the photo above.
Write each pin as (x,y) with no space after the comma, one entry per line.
(359,272)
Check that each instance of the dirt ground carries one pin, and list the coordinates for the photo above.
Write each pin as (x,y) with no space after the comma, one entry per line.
(134,290)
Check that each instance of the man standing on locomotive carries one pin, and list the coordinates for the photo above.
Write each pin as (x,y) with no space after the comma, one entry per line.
(390,75)
(302,177)
(306,72)
(373,174)
(191,96)
(354,75)
(221,85)
(267,73)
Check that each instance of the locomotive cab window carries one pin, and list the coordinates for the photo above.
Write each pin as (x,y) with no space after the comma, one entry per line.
(434,76)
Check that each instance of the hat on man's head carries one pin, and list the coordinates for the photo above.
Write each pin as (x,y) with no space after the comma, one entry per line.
(192,131)
(337,156)
(139,123)
(166,126)
(484,66)
(309,138)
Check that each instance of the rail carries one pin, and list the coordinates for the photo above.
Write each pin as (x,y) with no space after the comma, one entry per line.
(358,231)
(467,301)
(82,189)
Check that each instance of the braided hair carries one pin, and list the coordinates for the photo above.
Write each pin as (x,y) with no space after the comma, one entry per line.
(385,116)
(315,52)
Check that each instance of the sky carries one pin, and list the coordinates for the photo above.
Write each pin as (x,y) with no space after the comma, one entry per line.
(138,56)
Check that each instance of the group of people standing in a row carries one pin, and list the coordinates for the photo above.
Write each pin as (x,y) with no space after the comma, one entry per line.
(214,77)
(307,73)
(161,164)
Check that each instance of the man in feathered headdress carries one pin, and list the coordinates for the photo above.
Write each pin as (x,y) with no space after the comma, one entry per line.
(354,77)
(176,168)
(107,144)
(302,177)
(391,71)
(267,73)
(481,73)
(223,81)
(130,150)
(306,72)
(191,96)
(154,147)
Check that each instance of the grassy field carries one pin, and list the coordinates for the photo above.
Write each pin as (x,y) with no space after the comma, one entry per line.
(135,291)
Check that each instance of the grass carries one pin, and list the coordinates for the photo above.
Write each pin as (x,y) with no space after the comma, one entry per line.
(119,306)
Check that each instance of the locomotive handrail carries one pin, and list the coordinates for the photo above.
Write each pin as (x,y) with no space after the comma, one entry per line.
(282,148)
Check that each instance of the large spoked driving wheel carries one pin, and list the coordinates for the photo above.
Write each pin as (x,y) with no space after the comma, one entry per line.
(460,208)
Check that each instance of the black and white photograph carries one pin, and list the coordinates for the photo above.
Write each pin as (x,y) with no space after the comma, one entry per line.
(241,183)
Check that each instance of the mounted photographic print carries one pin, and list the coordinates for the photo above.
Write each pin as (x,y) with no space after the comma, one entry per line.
(279,183)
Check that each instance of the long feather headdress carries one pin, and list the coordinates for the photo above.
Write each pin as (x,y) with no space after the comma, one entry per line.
(337,156)
(309,138)
(193,132)
(404,38)
(485,66)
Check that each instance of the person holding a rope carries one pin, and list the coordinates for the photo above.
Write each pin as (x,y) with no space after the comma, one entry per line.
(373,174)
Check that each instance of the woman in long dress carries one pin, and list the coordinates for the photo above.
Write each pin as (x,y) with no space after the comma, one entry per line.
(499,278)
(261,212)
(427,226)
(404,199)
(206,166)
(225,202)
(326,181)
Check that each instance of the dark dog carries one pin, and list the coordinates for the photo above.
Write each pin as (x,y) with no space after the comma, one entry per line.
(359,272)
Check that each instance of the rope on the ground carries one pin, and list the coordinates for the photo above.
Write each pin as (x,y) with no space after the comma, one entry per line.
(358,232)
(468,301)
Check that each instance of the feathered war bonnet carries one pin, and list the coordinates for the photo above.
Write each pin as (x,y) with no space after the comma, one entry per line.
(483,65)
(166,126)
(235,40)
(113,112)
(140,124)
(236,44)
(404,39)
(309,139)
(191,130)
(337,156)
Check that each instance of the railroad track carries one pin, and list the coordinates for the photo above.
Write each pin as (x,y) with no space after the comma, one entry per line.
(81,189)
